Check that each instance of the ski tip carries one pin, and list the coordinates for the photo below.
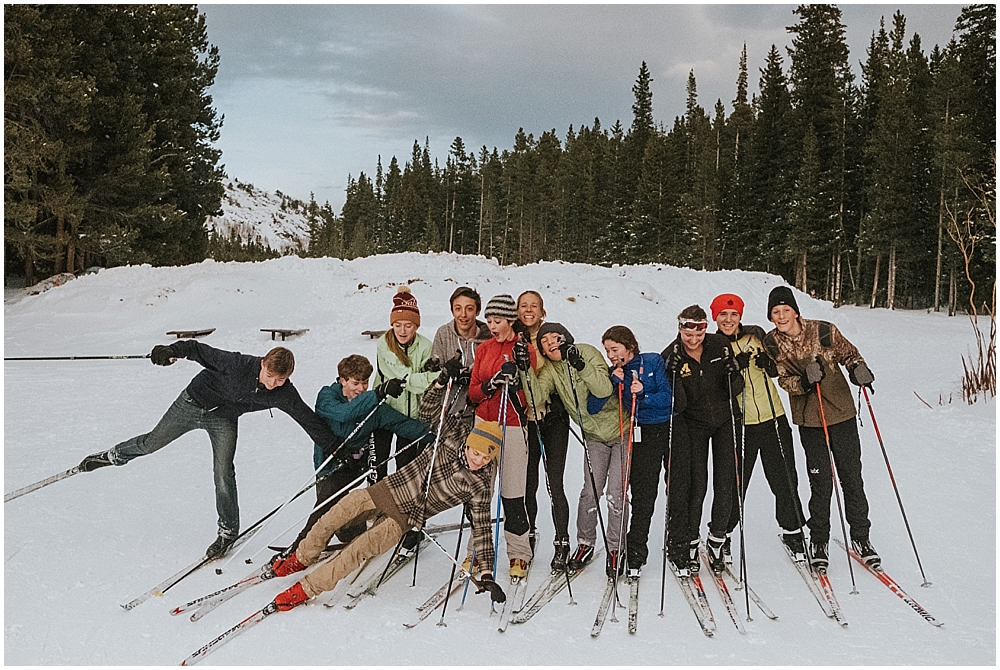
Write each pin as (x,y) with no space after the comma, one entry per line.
(175,611)
(157,594)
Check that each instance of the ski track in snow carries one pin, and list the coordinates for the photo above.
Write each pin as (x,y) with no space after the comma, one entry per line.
(76,550)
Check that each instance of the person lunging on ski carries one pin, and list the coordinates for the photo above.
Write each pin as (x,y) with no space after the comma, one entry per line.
(809,354)
(231,384)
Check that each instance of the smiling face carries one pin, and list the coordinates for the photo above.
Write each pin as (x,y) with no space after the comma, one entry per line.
(550,346)
(477,460)
(464,309)
(617,352)
(353,387)
(270,380)
(786,320)
(728,321)
(529,311)
(692,339)
(405,331)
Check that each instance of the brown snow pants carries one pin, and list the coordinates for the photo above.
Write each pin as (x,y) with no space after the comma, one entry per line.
(356,506)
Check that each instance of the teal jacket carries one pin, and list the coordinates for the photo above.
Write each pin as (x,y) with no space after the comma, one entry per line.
(592,381)
(343,417)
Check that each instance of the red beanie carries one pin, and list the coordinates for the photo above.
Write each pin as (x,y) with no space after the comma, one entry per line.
(726,301)
(404,307)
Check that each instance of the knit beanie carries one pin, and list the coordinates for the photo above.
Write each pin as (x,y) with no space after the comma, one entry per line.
(486,438)
(404,307)
(501,306)
(726,301)
(781,295)
(552,327)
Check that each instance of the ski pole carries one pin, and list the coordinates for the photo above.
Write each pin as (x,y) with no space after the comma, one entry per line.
(318,470)
(626,471)
(458,548)
(739,455)
(323,504)
(836,489)
(895,488)
(430,471)
(545,469)
(503,442)
(586,453)
(666,512)
(73,358)
(792,489)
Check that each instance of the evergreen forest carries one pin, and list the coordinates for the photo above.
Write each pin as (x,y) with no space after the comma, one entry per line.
(878,189)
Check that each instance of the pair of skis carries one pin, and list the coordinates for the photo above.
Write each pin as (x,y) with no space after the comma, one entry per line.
(548,590)
(819,586)
(694,593)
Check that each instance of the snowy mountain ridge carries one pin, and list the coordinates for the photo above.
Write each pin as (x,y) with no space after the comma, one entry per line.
(280,221)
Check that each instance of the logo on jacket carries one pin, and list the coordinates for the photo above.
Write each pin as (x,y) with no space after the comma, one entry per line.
(685,370)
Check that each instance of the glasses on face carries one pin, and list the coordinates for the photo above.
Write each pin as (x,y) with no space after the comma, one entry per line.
(693,325)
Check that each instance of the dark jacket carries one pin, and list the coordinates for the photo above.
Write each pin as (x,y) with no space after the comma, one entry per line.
(230,386)
(709,386)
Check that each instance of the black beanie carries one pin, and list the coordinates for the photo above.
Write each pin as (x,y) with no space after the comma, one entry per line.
(781,295)
(552,327)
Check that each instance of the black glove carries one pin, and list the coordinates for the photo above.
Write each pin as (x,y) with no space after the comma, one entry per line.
(672,359)
(743,360)
(763,361)
(163,354)
(432,365)
(522,357)
(393,387)
(572,356)
(861,375)
(486,583)
(453,366)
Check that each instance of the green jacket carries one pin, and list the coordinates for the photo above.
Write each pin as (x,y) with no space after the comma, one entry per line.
(592,383)
(388,366)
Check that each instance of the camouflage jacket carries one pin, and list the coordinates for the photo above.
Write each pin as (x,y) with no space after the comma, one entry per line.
(817,339)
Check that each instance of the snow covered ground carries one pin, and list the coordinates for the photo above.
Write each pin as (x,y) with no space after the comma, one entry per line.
(76,550)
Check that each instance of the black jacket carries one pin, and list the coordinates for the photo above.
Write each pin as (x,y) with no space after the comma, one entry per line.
(709,386)
(230,386)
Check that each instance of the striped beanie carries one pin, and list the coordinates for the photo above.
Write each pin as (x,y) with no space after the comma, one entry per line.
(404,307)
(486,438)
(501,306)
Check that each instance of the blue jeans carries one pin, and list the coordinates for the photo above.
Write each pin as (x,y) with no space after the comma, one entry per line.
(182,417)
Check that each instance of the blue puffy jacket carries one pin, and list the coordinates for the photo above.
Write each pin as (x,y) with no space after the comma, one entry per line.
(653,404)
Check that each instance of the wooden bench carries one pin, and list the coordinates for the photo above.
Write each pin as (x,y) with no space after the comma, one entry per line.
(191,333)
(284,332)
(374,334)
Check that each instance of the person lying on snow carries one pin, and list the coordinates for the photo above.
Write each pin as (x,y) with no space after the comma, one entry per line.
(463,472)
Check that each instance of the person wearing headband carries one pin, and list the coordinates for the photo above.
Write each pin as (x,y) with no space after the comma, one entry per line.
(703,366)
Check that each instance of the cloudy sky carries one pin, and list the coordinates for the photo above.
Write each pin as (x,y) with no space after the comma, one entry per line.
(312,93)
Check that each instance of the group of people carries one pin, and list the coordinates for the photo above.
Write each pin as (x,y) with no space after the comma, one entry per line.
(490,402)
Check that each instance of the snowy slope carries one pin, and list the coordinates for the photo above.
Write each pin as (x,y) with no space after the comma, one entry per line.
(280,221)
(77,549)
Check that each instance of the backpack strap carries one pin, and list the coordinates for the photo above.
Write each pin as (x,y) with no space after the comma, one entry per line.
(825,334)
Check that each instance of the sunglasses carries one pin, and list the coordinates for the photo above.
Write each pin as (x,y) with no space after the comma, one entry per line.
(693,325)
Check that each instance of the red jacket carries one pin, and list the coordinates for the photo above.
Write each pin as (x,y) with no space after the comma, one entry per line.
(490,355)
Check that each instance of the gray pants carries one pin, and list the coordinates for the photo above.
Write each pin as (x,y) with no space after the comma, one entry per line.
(606,460)
(182,417)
